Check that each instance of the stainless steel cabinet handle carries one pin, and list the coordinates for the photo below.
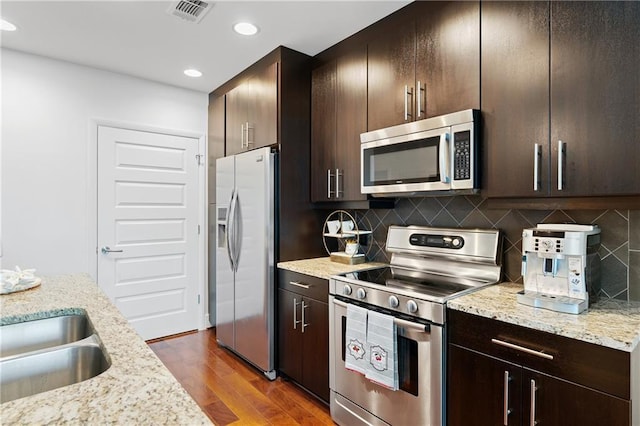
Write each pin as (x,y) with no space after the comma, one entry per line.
(106,250)
(242,136)
(295,318)
(561,163)
(303,323)
(329,191)
(249,140)
(537,156)
(419,93)
(522,349)
(299,284)
(532,417)
(505,418)
(408,91)
(338,173)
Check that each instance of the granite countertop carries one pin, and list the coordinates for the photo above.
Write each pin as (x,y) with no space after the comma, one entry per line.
(136,389)
(611,323)
(323,267)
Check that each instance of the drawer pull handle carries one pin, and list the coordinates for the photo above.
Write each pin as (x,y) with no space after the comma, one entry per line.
(299,284)
(521,349)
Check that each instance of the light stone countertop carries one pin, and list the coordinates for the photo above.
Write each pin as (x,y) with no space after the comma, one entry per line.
(611,323)
(137,388)
(323,267)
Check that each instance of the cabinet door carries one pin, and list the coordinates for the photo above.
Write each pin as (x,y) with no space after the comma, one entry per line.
(448,58)
(351,121)
(262,115)
(236,118)
(476,389)
(515,96)
(289,338)
(315,355)
(323,132)
(550,401)
(595,97)
(390,68)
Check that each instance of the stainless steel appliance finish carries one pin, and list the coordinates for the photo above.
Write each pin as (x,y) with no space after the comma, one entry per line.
(434,155)
(561,267)
(428,267)
(245,256)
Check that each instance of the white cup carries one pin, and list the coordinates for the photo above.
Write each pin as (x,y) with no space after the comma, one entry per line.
(347,225)
(351,248)
(333,226)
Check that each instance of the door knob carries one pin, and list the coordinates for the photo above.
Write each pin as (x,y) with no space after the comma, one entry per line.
(106,250)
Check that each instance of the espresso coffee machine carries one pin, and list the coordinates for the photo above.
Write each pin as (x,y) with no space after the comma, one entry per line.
(561,267)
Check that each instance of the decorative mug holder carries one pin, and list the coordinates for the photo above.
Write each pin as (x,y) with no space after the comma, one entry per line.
(348,236)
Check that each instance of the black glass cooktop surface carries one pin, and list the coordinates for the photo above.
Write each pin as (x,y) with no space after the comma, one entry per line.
(420,282)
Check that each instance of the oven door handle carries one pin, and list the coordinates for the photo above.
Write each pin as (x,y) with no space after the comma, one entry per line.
(397,321)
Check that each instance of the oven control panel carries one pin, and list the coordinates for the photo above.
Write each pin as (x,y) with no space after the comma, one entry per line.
(434,240)
(393,301)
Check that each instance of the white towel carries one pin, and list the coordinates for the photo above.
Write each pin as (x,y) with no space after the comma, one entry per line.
(356,339)
(382,343)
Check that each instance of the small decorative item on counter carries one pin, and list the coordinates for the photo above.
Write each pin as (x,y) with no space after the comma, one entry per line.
(18,280)
(351,247)
(349,237)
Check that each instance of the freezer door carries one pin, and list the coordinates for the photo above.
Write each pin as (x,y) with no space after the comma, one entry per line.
(225,295)
(255,275)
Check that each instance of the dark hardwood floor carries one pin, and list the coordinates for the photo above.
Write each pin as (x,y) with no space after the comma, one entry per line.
(229,391)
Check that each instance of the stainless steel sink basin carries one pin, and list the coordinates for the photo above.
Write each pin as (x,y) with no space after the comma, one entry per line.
(45,354)
(43,333)
(44,370)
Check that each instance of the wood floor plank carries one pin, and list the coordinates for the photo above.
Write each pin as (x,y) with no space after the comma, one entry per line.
(230,391)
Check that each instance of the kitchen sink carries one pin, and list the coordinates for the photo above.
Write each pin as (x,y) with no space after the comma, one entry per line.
(38,334)
(45,354)
(41,371)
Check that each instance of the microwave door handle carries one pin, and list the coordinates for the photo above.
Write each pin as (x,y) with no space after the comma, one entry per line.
(444,158)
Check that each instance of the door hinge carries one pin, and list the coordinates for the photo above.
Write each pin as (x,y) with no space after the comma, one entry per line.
(198,229)
(199,158)
(198,299)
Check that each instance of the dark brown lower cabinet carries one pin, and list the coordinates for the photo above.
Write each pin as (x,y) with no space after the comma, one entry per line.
(303,326)
(490,384)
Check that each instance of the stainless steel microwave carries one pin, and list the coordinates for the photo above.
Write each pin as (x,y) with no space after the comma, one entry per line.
(437,155)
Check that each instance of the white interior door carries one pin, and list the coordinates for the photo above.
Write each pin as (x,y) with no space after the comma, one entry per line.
(148,228)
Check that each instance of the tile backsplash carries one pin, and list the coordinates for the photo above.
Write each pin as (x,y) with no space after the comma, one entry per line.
(619,251)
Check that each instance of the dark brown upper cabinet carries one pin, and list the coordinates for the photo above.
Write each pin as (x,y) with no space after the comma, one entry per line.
(252,112)
(424,64)
(338,116)
(560,99)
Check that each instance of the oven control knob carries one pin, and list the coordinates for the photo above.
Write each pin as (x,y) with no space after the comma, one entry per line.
(394,302)
(346,290)
(361,294)
(412,306)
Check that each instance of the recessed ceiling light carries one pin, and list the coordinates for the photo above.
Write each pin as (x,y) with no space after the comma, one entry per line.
(192,73)
(245,28)
(6,25)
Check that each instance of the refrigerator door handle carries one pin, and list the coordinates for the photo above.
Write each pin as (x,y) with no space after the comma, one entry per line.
(236,232)
(230,226)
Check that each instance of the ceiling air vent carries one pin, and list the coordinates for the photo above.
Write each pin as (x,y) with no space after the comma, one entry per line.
(190,10)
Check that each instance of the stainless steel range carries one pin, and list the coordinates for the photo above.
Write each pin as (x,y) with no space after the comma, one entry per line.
(428,267)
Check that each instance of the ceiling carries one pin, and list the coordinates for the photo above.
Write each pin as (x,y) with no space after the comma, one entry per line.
(141,39)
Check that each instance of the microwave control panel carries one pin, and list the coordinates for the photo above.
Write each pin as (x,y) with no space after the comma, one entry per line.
(462,155)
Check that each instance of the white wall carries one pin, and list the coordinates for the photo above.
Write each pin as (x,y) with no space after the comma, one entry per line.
(47,112)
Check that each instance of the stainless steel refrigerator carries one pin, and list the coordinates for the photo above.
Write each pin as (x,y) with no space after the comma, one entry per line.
(245,256)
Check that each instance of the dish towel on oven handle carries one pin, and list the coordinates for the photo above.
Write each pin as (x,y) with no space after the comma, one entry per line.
(355,358)
(382,344)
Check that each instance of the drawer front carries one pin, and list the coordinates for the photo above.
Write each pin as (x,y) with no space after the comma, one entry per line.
(594,366)
(305,285)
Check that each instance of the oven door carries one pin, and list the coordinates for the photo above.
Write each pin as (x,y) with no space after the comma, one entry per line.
(416,162)
(357,401)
